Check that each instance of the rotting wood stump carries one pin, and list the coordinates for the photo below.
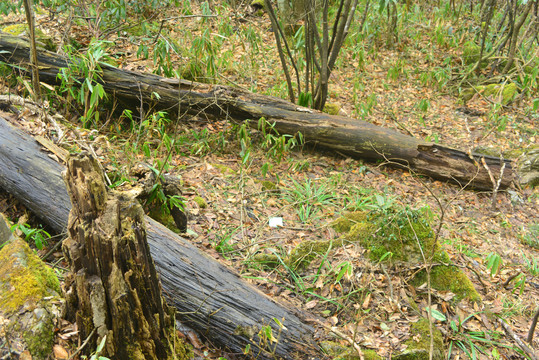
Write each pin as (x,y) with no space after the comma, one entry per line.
(113,288)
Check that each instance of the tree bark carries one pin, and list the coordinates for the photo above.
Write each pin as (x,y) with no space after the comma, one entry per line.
(211,299)
(113,286)
(340,134)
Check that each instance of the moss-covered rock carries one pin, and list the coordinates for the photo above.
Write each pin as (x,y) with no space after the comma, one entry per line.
(332,109)
(302,255)
(419,343)
(449,278)
(29,298)
(467,94)
(269,185)
(347,220)
(268,260)
(396,232)
(225,170)
(200,202)
(405,235)
(501,93)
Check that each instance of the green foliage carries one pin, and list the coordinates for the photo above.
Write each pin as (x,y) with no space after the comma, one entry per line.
(474,343)
(37,235)
(7,7)
(309,198)
(531,237)
(157,196)
(277,146)
(82,82)
(96,355)
(494,263)
(423,105)
(161,56)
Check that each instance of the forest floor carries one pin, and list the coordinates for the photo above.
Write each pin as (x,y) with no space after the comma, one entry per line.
(230,201)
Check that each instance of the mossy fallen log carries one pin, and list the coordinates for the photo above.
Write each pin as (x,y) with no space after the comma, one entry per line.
(340,134)
(210,298)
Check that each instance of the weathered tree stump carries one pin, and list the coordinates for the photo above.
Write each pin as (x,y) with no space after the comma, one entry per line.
(113,289)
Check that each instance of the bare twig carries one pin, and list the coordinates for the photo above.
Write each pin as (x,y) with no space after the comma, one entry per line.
(517,339)
(83,344)
(344,336)
(532,327)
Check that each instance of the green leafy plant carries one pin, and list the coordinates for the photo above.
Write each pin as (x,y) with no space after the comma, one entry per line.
(472,343)
(277,146)
(532,264)
(158,197)
(308,197)
(82,81)
(531,237)
(344,269)
(97,354)
(37,235)
(494,263)
(423,105)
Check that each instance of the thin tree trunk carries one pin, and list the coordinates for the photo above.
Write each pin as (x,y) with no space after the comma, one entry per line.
(30,19)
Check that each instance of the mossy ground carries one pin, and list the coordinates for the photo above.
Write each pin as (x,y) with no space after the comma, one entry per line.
(340,352)
(449,278)
(419,343)
(406,236)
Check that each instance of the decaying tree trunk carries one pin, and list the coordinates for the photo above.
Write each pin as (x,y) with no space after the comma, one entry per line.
(113,288)
(210,298)
(344,135)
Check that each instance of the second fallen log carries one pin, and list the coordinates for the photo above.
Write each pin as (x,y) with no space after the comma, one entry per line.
(341,134)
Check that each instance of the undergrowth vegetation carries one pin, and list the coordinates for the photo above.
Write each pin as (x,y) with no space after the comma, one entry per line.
(369,249)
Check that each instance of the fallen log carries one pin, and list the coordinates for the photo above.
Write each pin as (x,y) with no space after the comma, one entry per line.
(344,135)
(209,298)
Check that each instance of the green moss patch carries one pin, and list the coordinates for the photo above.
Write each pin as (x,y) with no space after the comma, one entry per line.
(449,278)
(200,202)
(332,109)
(23,277)
(268,185)
(340,352)
(405,235)
(347,220)
(419,343)
(258,4)
(225,170)
(397,232)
